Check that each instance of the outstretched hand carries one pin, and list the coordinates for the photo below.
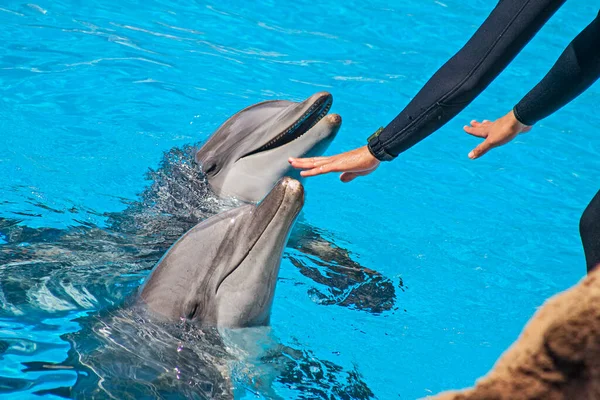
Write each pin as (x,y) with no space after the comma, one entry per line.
(361,162)
(353,163)
(496,133)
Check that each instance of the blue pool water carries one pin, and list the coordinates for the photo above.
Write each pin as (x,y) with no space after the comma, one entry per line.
(93,93)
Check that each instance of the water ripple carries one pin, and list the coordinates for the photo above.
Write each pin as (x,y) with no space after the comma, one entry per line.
(164,35)
(12,12)
(99,60)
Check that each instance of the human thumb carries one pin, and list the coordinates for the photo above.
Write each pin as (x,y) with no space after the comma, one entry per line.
(348,176)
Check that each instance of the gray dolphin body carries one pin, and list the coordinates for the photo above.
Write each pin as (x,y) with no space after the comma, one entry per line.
(73,265)
(249,153)
(250,147)
(120,353)
(224,270)
(172,339)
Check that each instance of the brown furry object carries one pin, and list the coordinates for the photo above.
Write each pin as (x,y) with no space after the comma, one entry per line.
(557,356)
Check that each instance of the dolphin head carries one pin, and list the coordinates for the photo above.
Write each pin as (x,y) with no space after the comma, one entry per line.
(224,270)
(249,153)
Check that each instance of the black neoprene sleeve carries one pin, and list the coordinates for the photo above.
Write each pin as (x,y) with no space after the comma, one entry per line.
(576,69)
(509,27)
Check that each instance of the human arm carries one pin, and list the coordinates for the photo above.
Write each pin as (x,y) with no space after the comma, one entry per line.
(509,27)
(576,69)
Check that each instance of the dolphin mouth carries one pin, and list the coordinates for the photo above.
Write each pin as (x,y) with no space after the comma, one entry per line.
(310,118)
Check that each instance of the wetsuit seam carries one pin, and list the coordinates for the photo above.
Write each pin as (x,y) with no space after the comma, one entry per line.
(469,75)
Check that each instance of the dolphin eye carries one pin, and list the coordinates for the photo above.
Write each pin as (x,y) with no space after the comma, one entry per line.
(210,169)
(190,310)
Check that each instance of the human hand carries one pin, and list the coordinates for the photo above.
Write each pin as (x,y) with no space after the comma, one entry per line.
(496,133)
(353,163)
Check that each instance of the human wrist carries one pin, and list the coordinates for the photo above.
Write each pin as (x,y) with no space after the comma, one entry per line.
(518,118)
(515,123)
(376,148)
(371,152)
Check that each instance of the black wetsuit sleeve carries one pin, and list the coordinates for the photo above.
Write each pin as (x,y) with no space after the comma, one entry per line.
(576,69)
(510,26)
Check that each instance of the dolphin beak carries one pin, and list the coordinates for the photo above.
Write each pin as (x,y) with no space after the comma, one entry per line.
(293,188)
(334,119)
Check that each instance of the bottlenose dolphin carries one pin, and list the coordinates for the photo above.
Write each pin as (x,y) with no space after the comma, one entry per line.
(221,274)
(119,351)
(181,193)
(249,152)
(243,159)
(224,270)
